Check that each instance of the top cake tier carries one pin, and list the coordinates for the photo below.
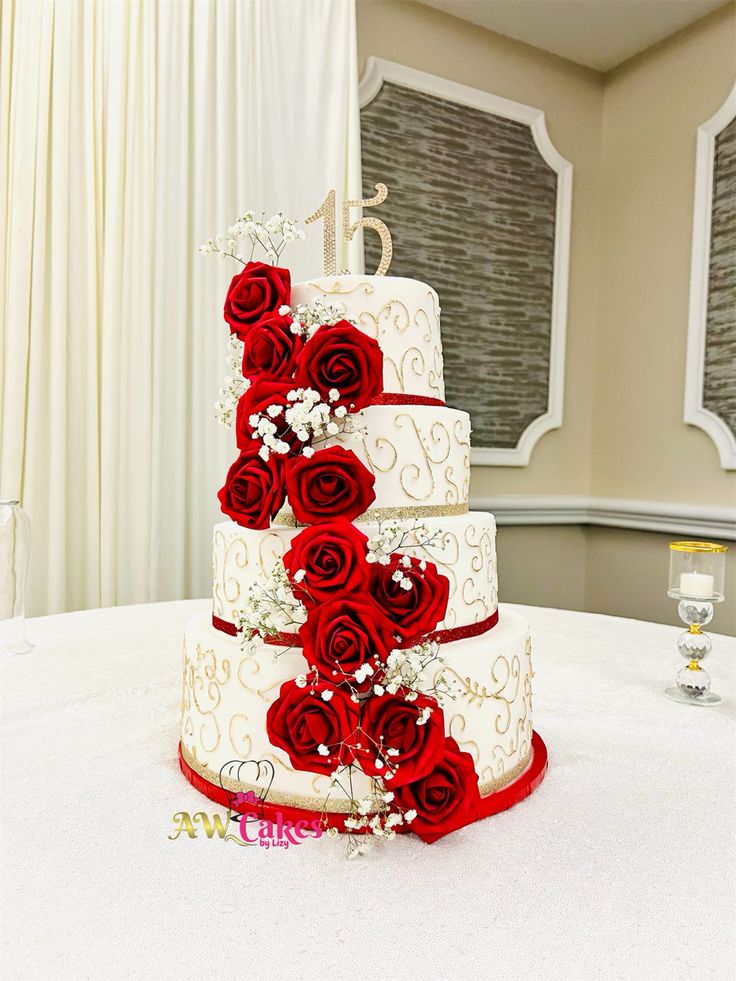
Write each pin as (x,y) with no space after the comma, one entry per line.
(403,315)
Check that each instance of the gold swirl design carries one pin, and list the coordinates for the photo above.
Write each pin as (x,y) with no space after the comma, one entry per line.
(461,431)
(476,693)
(518,743)
(251,665)
(237,550)
(206,691)
(216,735)
(473,602)
(387,361)
(241,744)
(469,745)
(513,673)
(412,476)
(423,321)
(399,319)
(452,494)
(381,445)
(476,561)
(416,364)
(218,547)
(337,289)
(276,550)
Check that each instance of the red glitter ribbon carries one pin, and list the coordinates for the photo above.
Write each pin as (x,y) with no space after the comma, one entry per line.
(398,398)
(441,636)
(493,803)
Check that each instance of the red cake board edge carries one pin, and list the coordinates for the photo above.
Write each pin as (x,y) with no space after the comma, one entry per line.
(500,800)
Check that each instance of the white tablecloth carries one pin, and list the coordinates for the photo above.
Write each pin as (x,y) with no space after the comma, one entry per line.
(621,865)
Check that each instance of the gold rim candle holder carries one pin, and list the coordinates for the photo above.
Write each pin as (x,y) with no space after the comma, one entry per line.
(697,577)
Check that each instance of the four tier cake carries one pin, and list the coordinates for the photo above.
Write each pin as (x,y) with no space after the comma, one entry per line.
(355,669)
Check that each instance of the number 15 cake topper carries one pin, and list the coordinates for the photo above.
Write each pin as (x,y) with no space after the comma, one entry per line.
(327,211)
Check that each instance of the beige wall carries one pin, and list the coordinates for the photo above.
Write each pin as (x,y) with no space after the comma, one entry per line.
(630,136)
(652,107)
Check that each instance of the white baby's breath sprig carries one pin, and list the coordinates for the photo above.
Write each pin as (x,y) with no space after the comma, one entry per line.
(309,317)
(271,608)
(249,236)
(394,535)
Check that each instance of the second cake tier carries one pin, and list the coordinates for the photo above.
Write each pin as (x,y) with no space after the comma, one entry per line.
(463,548)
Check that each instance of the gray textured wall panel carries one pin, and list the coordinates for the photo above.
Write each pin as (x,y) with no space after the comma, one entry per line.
(472,212)
(719,385)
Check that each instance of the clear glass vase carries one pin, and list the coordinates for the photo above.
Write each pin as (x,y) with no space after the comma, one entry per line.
(15,543)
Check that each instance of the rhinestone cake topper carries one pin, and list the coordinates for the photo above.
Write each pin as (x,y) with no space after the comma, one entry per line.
(327,211)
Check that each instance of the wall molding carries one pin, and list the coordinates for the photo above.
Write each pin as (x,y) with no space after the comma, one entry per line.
(695,412)
(611,512)
(377,72)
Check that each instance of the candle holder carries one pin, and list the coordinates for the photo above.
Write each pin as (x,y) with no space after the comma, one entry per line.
(697,580)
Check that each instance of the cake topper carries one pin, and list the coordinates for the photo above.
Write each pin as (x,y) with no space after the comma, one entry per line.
(327,211)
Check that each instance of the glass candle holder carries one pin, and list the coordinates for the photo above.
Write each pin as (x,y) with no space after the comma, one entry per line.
(15,543)
(697,580)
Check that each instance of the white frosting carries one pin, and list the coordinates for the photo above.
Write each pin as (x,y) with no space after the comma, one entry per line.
(226,695)
(403,315)
(465,552)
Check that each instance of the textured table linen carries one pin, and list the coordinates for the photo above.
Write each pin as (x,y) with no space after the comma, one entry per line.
(621,865)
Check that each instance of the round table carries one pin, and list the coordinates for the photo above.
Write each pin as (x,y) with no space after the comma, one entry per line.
(621,865)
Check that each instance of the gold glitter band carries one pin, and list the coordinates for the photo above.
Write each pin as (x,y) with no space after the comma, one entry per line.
(287,519)
(318,803)
(491,786)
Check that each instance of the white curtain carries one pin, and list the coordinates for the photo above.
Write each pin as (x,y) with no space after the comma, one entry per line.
(131,132)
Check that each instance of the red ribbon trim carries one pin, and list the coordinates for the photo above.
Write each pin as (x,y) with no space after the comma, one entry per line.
(398,398)
(225,626)
(441,636)
(493,803)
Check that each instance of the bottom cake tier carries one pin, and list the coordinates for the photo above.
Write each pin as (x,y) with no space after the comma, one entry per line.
(226,694)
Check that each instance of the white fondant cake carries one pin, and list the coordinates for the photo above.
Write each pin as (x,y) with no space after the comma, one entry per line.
(418,453)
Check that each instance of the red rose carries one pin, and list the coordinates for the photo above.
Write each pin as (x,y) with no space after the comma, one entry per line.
(254,294)
(300,721)
(270,348)
(332,483)
(446,798)
(416,611)
(254,489)
(344,634)
(332,556)
(254,401)
(342,357)
(389,722)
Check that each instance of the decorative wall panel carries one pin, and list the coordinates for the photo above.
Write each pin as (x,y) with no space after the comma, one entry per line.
(719,380)
(710,385)
(477,210)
